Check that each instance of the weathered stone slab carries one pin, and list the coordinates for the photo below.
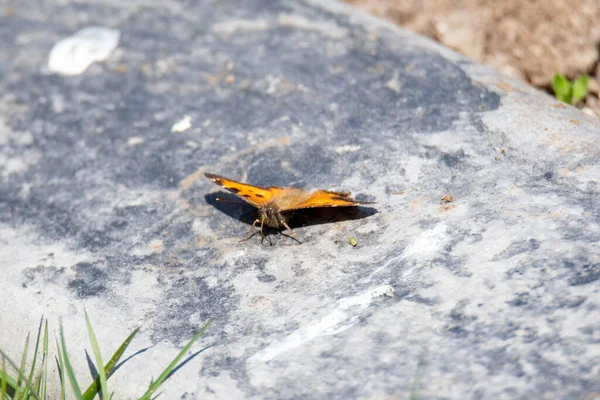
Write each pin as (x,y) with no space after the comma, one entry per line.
(103,206)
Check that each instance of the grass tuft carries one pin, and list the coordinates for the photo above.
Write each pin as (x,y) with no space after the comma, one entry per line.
(17,384)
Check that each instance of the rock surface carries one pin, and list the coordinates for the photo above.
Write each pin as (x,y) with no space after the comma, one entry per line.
(495,293)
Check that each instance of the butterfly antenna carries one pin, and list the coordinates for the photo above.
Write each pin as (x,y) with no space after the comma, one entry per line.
(228,201)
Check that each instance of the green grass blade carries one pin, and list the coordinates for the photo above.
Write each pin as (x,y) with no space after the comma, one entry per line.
(4,380)
(21,376)
(41,389)
(9,381)
(165,374)
(61,371)
(562,88)
(34,361)
(12,382)
(10,361)
(44,373)
(580,88)
(7,384)
(99,362)
(416,386)
(90,393)
(68,366)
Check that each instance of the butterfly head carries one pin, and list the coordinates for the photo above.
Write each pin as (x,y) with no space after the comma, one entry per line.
(271,216)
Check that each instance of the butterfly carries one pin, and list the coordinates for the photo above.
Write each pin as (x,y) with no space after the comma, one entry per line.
(273,202)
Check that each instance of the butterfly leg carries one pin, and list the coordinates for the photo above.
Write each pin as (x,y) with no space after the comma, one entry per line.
(262,223)
(292,234)
(252,231)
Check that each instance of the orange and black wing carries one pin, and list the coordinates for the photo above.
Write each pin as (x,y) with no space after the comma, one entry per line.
(256,195)
(325,198)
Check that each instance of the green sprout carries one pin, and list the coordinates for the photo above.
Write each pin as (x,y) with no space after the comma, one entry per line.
(17,384)
(570,92)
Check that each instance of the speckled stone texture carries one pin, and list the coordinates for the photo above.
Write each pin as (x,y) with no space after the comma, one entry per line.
(103,207)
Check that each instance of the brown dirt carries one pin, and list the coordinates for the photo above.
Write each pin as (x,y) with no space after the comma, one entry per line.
(527,39)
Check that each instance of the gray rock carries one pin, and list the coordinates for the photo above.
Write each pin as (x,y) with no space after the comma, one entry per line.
(102,206)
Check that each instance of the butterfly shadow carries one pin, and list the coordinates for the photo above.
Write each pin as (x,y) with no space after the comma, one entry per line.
(232,206)
(236,208)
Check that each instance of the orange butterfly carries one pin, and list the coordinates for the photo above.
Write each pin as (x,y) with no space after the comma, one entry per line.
(272,201)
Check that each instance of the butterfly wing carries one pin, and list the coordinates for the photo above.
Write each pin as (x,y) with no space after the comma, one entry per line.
(326,198)
(256,195)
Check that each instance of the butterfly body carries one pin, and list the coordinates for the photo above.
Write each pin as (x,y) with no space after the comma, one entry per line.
(272,201)
(271,216)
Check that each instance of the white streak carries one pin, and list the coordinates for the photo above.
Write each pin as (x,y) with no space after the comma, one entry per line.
(425,246)
(428,242)
(347,149)
(135,140)
(241,25)
(295,21)
(347,313)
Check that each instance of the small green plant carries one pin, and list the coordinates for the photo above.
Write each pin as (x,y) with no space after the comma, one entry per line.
(16,383)
(570,92)
(416,386)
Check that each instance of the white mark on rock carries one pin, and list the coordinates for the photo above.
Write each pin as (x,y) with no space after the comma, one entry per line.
(211,281)
(23,138)
(12,166)
(326,28)
(342,318)
(241,25)
(383,290)
(74,54)
(347,149)
(58,104)
(425,246)
(201,227)
(156,246)
(273,83)
(134,140)
(5,132)
(429,242)
(183,125)
(394,83)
